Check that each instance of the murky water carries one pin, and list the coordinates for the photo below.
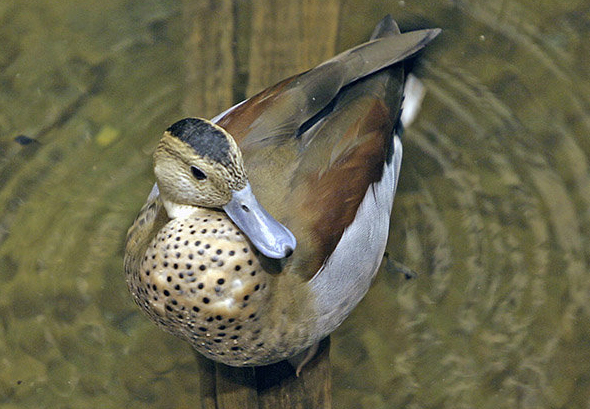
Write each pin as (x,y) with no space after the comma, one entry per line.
(492,210)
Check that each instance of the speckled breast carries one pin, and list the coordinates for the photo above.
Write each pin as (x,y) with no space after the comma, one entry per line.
(200,279)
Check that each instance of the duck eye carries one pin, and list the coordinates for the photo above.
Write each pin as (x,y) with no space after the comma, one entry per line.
(198,173)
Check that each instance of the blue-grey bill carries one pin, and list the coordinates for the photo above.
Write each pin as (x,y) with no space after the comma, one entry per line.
(269,236)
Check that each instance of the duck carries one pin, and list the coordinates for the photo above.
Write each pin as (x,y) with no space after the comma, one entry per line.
(267,223)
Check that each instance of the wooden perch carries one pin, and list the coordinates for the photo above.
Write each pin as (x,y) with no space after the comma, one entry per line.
(233,50)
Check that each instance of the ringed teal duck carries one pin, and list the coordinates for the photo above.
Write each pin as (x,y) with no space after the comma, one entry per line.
(321,151)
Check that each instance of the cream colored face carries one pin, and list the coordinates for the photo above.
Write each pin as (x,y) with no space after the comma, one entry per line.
(197,170)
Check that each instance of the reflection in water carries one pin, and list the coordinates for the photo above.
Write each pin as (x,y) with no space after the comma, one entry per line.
(492,209)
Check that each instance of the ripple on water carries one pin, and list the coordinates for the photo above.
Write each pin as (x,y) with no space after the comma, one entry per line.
(492,211)
(493,208)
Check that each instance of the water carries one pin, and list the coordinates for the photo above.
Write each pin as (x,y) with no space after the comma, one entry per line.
(492,209)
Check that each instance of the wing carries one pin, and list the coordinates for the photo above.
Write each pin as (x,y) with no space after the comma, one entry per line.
(314,144)
(277,113)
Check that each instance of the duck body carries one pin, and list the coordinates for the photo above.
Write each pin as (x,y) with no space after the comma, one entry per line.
(322,154)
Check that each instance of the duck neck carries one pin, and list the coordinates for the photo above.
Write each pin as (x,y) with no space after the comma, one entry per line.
(176,210)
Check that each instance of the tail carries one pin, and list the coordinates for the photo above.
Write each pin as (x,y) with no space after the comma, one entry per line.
(414,89)
(386,48)
(314,89)
(386,27)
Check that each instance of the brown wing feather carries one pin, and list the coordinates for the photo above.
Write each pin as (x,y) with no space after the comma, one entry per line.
(238,122)
(328,198)
(315,183)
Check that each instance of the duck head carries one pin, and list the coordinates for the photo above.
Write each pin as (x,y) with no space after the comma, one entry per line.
(198,164)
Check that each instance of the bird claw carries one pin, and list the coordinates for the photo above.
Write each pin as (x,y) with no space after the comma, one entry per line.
(303,358)
(397,267)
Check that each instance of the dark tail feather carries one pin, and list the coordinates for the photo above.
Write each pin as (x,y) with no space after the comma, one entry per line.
(386,27)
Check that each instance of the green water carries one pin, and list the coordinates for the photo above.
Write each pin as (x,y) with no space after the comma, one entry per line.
(492,208)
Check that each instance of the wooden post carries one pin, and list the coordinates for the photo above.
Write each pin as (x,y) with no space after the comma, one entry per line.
(278,387)
(267,387)
(235,49)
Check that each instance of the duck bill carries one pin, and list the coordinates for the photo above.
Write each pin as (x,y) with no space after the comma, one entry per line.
(269,236)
